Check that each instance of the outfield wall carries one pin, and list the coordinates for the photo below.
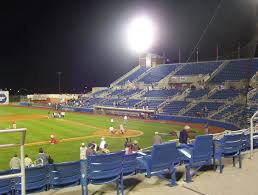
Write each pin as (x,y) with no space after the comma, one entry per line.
(182,119)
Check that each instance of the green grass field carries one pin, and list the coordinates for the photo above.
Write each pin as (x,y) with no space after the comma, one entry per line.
(74,125)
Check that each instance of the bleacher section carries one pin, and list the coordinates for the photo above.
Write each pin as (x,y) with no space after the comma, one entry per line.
(117,92)
(130,103)
(210,99)
(161,93)
(230,110)
(152,104)
(225,94)
(174,107)
(157,73)
(197,93)
(198,68)
(133,76)
(131,92)
(236,70)
(203,108)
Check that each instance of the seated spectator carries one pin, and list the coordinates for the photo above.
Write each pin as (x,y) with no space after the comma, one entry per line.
(183,136)
(157,138)
(129,149)
(15,162)
(105,150)
(102,143)
(50,160)
(27,161)
(90,150)
(42,156)
(136,146)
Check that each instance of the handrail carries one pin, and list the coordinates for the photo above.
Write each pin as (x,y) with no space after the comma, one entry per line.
(22,141)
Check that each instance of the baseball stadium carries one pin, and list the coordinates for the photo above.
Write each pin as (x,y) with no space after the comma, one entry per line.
(166,125)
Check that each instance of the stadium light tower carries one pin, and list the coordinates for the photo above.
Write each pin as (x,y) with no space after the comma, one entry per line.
(140,34)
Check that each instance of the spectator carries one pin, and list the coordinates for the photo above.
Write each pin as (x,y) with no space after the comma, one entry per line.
(102,143)
(136,146)
(15,162)
(129,149)
(183,136)
(126,142)
(27,161)
(157,138)
(90,150)
(105,150)
(83,151)
(42,156)
(50,160)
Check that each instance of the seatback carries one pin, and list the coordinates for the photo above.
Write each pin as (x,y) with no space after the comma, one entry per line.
(36,178)
(162,156)
(129,164)
(104,166)
(65,173)
(5,184)
(232,143)
(202,148)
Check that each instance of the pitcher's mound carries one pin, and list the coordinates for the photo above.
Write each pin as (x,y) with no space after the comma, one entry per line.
(128,133)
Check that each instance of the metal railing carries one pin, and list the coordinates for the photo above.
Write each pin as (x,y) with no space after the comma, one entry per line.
(21,145)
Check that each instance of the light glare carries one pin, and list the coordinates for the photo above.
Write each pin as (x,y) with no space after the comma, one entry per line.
(140,34)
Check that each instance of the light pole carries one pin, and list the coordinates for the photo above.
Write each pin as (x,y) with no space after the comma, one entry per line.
(59,81)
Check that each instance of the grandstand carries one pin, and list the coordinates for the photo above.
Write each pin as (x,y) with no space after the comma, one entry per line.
(215,90)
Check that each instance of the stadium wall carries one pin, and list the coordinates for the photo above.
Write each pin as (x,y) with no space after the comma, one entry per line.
(203,121)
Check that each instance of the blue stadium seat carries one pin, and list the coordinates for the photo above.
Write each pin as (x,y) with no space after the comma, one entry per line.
(229,146)
(199,153)
(65,174)
(162,93)
(102,169)
(163,158)
(130,164)
(198,68)
(133,76)
(174,107)
(6,185)
(236,70)
(37,179)
(197,93)
(157,73)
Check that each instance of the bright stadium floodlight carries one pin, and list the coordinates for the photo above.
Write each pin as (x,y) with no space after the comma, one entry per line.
(140,34)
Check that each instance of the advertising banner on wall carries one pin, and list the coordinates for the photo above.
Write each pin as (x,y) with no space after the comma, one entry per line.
(4,97)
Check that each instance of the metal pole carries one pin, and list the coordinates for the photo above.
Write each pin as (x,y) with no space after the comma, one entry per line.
(59,82)
(197,55)
(252,134)
(238,50)
(217,52)
(23,186)
(179,55)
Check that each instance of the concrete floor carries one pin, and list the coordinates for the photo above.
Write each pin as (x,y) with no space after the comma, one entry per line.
(233,181)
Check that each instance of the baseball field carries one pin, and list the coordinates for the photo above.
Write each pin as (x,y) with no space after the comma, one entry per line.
(74,129)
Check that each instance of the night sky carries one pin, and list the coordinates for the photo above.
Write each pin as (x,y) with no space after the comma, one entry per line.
(85,40)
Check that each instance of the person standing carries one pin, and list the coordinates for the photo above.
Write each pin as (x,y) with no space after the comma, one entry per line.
(102,143)
(90,150)
(27,161)
(15,162)
(157,138)
(183,135)
(42,156)
(83,151)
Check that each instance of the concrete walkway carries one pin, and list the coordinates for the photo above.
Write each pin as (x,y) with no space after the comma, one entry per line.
(233,181)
